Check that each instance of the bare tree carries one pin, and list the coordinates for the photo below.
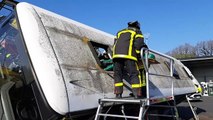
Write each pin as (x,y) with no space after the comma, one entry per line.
(183,51)
(204,48)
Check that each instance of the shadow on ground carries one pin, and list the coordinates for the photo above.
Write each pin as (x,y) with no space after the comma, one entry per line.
(185,113)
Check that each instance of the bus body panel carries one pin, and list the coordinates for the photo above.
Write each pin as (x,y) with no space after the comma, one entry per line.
(66,69)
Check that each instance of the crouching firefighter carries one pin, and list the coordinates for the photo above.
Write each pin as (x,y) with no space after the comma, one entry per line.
(126,49)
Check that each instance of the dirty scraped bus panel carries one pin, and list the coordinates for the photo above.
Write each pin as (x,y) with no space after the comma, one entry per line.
(50,66)
(161,80)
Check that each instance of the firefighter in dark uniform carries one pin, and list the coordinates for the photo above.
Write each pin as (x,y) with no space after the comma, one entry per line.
(126,51)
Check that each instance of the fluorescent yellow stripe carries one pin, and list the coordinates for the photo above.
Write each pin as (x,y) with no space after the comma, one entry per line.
(119,34)
(143,76)
(139,35)
(136,85)
(137,51)
(144,82)
(114,49)
(139,76)
(119,84)
(137,67)
(199,89)
(8,55)
(131,42)
(125,31)
(116,37)
(125,56)
(141,67)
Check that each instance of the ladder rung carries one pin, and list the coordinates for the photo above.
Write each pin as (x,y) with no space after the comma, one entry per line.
(123,100)
(119,116)
(161,115)
(161,106)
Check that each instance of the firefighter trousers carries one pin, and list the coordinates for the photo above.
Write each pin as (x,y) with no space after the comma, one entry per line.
(129,67)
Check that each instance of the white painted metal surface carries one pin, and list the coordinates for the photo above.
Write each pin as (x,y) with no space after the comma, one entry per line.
(65,67)
(43,59)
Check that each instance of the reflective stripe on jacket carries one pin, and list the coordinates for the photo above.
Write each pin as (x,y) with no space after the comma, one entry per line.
(128,43)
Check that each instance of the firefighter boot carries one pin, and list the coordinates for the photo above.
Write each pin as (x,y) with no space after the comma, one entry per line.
(137,93)
(118,92)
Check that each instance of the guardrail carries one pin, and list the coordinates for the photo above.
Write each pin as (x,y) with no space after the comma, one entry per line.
(144,57)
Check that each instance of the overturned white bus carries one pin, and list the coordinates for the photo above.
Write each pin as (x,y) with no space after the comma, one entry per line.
(50,67)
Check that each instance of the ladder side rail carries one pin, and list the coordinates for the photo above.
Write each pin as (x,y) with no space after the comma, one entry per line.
(171,74)
(140,117)
(175,108)
(173,95)
(193,112)
(145,63)
(97,116)
(142,110)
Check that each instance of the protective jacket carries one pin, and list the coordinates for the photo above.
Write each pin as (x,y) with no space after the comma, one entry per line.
(128,43)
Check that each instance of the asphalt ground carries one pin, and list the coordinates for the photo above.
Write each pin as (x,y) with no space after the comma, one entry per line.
(204,109)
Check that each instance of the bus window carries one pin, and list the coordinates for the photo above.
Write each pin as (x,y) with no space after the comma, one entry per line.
(8,50)
(15,66)
(102,55)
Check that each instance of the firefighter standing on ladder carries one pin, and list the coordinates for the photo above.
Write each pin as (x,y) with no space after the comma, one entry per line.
(126,51)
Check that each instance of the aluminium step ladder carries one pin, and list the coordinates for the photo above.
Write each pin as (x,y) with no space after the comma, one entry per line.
(103,102)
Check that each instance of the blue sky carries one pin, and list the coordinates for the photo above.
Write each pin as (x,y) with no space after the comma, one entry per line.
(168,23)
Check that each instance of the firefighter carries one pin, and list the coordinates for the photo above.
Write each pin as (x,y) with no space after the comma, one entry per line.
(126,49)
